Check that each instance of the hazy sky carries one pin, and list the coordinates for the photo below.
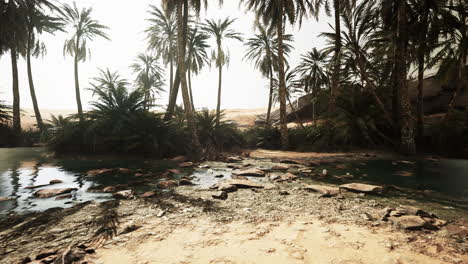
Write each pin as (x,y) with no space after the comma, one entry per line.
(243,86)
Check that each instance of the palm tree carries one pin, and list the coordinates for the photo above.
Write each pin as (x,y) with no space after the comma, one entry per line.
(262,49)
(197,57)
(221,30)
(85,29)
(274,14)
(36,23)
(293,87)
(161,35)
(314,76)
(149,77)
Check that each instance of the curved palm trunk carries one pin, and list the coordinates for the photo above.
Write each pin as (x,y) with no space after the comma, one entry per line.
(335,82)
(77,84)
(218,105)
(181,45)
(37,113)
(189,75)
(16,95)
(270,98)
(282,87)
(408,145)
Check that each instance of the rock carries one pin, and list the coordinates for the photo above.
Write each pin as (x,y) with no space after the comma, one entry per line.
(71,256)
(101,172)
(326,191)
(36,186)
(288,177)
(204,166)
(46,193)
(221,195)
(239,177)
(45,254)
(410,210)
(167,184)
(314,163)
(233,166)
(288,161)
(124,171)
(269,186)
(219,176)
(139,174)
(55,181)
(234,159)
(4,199)
(224,186)
(109,189)
(410,222)
(125,195)
(185,181)
(186,164)
(362,188)
(404,173)
(49,259)
(251,172)
(173,171)
(65,196)
(179,159)
(280,168)
(283,192)
(245,183)
(148,194)
(161,213)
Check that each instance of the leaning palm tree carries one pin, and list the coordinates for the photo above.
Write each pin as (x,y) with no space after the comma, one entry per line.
(37,22)
(149,77)
(262,50)
(197,57)
(161,35)
(274,14)
(221,31)
(85,29)
(312,71)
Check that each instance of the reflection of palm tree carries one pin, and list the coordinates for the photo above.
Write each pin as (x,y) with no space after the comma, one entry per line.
(15,184)
(149,77)
(196,57)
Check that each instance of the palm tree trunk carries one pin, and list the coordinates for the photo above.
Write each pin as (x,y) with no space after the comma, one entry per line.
(407,134)
(189,74)
(270,98)
(421,53)
(171,75)
(37,113)
(335,82)
(298,119)
(220,75)
(282,86)
(16,95)
(77,84)
(181,46)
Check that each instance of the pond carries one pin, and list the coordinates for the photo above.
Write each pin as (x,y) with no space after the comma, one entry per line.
(437,185)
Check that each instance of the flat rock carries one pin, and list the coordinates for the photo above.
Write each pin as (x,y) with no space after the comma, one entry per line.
(280,168)
(126,194)
(221,195)
(288,177)
(185,181)
(167,184)
(362,188)
(326,191)
(55,181)
(410,222)
(46,193)
(234,166)
(65,196)
(179,159)
(186,164)
(109,189)
(251,172)
(101,172)
(224,186)
(234,159)
(290,161)
(4,199)
(219,176)
(238,177)
(173,171)
(148,194)
(409,210)
(245,183)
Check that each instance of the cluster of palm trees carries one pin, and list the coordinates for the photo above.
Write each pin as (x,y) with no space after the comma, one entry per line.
(373,46)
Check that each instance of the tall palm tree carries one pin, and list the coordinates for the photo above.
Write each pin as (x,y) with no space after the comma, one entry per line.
(274,14)
(149,77)
(197,57)
(293,87)
(314,76)
(162,37)
(221,30)
(37,22)
(85,29)
(262,49)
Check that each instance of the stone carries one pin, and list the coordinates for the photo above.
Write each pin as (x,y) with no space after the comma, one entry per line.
(167,184)
(45,254)
(245,183)
(325,191)
(124,195)
(224,186)
(288,177)
(109,189)
(49,259)
(124,171)
(234,166)
(139,174)
(251,172)
(289,161)
(283,192)
(186,164)
(55,181)
(410,222)
(36,186)
(314,163)
(410,210)
(280,168)
(234,159)
(239,177)
(173,171)
(185,181)
(46,193)
(219,176)
(148,194)
(101,172)
(269,186)
(179,159)
(4,199)
(221,195)
(362,188)
(65,196)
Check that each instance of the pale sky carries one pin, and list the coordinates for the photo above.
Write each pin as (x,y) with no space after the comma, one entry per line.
(243,86)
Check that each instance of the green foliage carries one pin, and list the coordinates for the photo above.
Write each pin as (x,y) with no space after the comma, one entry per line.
(262,137)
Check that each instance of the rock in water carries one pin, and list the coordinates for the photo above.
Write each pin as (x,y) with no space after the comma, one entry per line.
(362,188)
(234,159)
(326,191)
(148,194)
(46,193)
(127,194)
(185,181)
(251,172)
(221,195)
(245,183)
(186,164)
(55,181)
(179,159)
(101,172)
